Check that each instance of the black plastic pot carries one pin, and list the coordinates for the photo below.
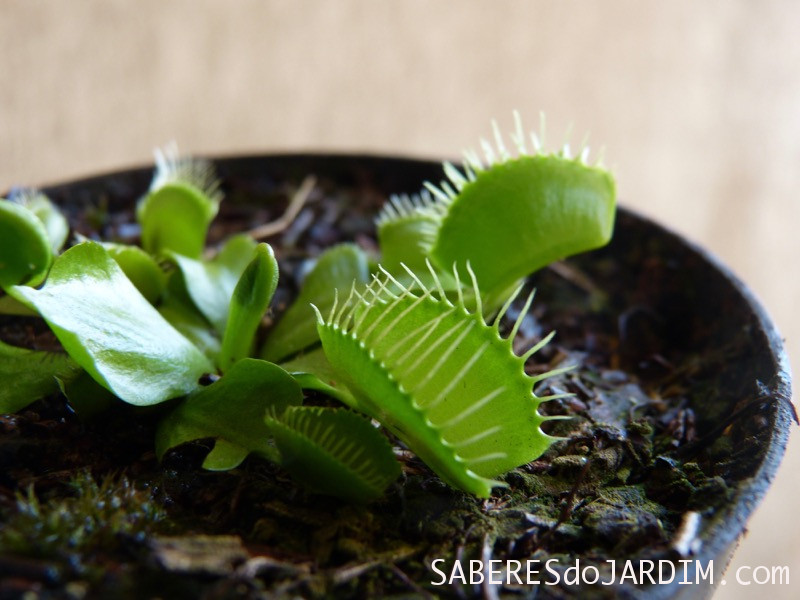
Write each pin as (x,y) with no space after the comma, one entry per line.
(701,305)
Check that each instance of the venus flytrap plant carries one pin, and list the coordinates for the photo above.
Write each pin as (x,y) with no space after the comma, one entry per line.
(110,329)
(91,302)
(233,296)
(508,214)
(440,377)
(25,247)
(336,268)
(527,207)
(141,268)
(249,302)
(407,227)
(183,200)
(416,346)
(232,411)
(210,282)
(40,205)
(334,451)
(30,374)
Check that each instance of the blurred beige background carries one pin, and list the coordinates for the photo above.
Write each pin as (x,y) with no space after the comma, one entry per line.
(698,105)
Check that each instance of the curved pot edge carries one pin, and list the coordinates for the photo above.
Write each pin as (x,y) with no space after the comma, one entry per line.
(728,527)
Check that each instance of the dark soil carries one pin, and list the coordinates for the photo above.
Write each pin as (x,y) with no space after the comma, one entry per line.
(671,410)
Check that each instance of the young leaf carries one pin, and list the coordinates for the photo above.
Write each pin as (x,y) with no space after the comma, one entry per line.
(210,283)
(184,198)
(25,252)
(249,302)
(334,452)
(337,267)
(40,205)
(29,375)
(140,268)
(407,228)
(231,410)
(440,378)
(111,331)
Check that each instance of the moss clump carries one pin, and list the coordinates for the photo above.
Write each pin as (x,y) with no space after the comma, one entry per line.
(96,515)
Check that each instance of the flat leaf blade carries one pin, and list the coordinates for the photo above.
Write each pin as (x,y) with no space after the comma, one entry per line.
(29,375)
(110,330)
(336,268)
(210,283)
(232,409)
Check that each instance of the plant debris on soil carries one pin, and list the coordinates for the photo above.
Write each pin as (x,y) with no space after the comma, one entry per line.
(667,420)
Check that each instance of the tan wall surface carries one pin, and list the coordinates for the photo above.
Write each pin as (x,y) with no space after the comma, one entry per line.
(697,103)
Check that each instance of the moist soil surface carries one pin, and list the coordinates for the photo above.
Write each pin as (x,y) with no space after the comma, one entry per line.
(668,418)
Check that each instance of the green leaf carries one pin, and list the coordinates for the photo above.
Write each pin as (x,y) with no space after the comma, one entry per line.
(140,268)
(407,228)
(337,268)
(509,216)
(11,306)
(231,410)
(249,302)
(110,330)
(192,325)
(25,252)
(29,375)
(440,378)
(54,222)
(334,452)
(210,283)
(86,397)
(183,200)
(225,456)
(175,218)
(313,371)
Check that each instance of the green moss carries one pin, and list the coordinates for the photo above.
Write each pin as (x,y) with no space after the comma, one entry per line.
(96,515)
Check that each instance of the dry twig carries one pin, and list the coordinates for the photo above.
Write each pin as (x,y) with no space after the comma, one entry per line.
(295,205)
